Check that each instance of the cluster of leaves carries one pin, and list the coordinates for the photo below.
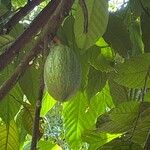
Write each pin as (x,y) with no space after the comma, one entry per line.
(111,108)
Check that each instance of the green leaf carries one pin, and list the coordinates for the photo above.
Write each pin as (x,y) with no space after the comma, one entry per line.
(47,103)
(96,82)
(136,38)
(142,128)
(99,58)
(117,36)
(118,92)
(30,82)
(132,72)
(97,17)
(145,21)
(120,144)
(5,41)
(9,138)
(66,32)
(102,63)
(6,3)
(27,114)
(116,123)
(17,30)
(17,3)
(96,139)
(45,145)
(80,115)
(11,103)
(3,10)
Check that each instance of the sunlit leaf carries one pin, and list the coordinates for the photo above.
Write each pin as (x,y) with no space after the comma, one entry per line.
(98,18)
(9,138)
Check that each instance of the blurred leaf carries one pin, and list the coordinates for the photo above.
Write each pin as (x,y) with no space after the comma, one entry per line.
(3,10)
(6,3)
(17,30)
(5,41)
(98,18)
(47,103)
(9,136)
(132,72)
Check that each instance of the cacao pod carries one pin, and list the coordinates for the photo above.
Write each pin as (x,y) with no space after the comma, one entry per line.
(62,72)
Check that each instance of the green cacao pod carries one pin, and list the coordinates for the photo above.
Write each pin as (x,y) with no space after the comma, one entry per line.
(62,72)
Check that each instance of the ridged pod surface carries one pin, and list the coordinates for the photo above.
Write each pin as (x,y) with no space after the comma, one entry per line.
(62,72)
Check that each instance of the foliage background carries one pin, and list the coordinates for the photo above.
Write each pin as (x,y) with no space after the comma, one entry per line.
(111,108)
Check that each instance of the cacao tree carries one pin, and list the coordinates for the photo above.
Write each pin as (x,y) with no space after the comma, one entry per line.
(74,75)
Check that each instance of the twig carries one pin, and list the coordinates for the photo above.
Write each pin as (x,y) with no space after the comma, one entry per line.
(40,21)
(54,23)
(19,15)
(142,100)
(85,13)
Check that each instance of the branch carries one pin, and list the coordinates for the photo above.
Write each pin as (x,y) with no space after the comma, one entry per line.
(40,21)
(19,15)
(53,24)
(36,131)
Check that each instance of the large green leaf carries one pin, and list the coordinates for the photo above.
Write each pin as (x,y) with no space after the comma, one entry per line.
(136,125)
(132,72)
(9,138)
(117,36)
(116,122)
(97,17)
(97,139)
(80,115)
